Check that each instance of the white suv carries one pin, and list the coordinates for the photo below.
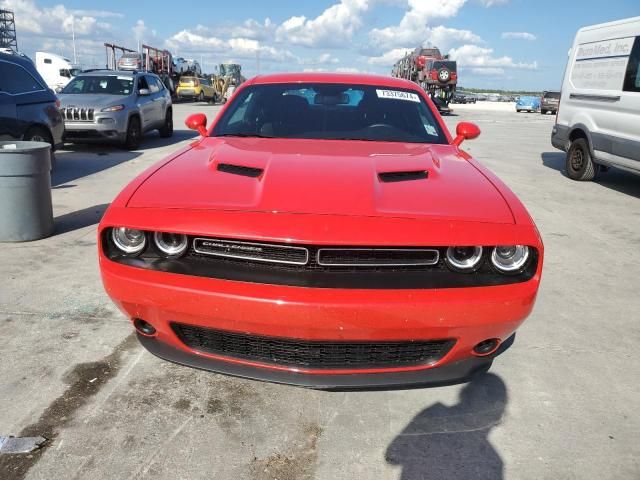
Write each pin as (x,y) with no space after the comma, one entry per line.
(598,120)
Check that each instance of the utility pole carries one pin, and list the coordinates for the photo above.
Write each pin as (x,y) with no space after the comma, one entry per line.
(73,38)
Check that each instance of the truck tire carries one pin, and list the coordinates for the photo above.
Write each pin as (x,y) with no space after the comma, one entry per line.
(580,165)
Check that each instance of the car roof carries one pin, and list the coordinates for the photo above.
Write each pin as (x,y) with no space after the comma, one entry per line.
(321,77)
(18,58)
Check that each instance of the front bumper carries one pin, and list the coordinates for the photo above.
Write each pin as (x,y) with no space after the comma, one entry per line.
(110,126)
(467,315)
(447,374)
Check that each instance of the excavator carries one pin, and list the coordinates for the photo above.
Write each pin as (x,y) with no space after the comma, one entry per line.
(228,78)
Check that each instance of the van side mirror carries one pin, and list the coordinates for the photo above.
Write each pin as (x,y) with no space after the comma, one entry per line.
(465,131)
(198,122)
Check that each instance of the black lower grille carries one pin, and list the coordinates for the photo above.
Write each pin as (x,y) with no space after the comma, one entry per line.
(312,354)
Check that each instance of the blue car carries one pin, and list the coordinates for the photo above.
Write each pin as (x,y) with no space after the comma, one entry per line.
(530,104)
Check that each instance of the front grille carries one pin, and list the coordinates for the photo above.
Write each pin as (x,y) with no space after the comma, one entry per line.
(258,252)
(377,257)
(313,354)
(74,114)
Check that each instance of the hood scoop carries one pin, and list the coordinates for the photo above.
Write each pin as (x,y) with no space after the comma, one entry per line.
(403,176)
(241,170)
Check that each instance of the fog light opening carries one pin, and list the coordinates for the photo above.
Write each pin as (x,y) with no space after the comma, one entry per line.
(143,327)
(486,347)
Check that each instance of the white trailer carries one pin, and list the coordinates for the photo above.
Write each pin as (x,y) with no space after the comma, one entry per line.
(57,71)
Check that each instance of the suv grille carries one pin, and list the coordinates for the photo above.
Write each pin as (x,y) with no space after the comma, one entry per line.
(77,114)
(312,354)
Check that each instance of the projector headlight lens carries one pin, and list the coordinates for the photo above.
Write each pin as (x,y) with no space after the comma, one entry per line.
(171,244)
(129,240)
(464,259)
(510,258)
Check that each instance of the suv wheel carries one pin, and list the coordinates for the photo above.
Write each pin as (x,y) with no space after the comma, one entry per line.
(580,165)
(134,134)
(167,129)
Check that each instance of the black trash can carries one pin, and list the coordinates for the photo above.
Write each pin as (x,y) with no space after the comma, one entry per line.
(25,191)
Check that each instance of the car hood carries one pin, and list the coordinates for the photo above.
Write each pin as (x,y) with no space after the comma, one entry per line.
(89,100)
(325,178)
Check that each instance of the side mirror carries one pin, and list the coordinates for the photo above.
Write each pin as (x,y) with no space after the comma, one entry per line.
(143,92)
(198,122)
(465,131)
(58,89)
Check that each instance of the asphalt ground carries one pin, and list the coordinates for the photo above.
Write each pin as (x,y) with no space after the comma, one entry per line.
(561,403)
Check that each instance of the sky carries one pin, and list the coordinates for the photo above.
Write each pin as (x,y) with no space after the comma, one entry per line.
(504,44)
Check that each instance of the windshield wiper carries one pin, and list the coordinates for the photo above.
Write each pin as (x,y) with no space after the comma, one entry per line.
(244,135)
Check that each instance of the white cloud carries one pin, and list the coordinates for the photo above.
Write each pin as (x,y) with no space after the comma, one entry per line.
(334,27)
(519,35)
(322,59)
(413,28)
(488,72)
(247,48)
(493,3)
(387,59)
(474,56)
(53,22)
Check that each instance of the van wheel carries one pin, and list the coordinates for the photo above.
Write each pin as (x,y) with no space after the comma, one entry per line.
(134,134)
(543,112)
(580,165)
(167,129)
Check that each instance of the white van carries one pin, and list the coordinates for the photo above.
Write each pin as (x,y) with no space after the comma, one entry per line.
(57,71)
(598,120)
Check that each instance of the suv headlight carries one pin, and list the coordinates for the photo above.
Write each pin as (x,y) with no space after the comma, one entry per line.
(113,108)
(510,258)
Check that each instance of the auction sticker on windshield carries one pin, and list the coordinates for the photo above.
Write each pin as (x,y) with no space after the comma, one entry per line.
(398,95)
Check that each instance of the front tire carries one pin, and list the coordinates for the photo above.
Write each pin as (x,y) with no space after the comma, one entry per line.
(134,134)
(167,129)
(201,96)
(580,165)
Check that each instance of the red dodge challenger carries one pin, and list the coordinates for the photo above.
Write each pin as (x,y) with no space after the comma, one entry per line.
(325,231)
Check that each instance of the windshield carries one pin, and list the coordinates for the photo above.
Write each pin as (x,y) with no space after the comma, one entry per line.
(108,84)
(555,95)
(330,112)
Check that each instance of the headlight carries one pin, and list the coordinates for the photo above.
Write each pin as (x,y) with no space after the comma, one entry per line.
(114,108)
(464,259)
(171,244)
(129,240)
(510,258)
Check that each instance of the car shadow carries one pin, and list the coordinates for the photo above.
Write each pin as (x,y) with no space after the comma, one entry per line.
(81,160)
(615,179)
(154,140)
(444,442)
(79,219)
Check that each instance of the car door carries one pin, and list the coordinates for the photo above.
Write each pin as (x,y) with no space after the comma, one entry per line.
(146,105)
(159,98)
